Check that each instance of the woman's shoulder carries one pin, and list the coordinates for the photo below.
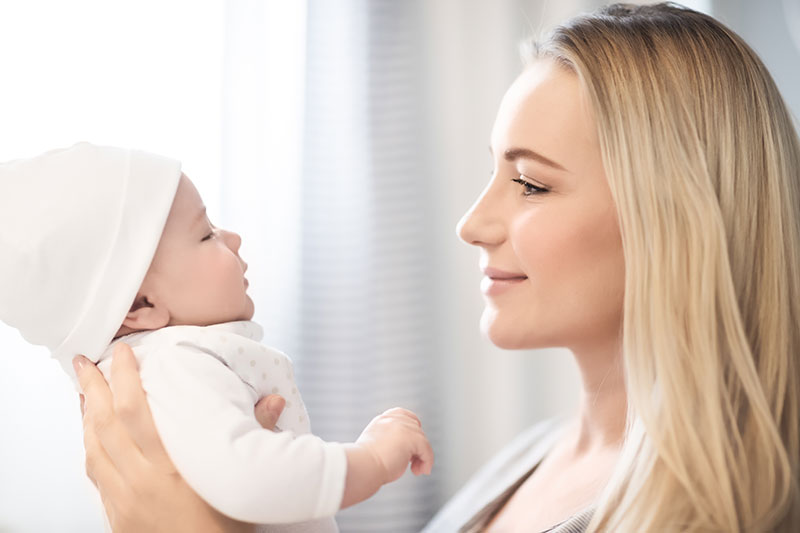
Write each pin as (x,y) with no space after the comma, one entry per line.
(503,470)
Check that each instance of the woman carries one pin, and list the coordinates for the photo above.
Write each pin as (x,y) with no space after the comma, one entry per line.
(644,211)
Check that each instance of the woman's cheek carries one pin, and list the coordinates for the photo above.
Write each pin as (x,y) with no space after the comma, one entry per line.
(540,244)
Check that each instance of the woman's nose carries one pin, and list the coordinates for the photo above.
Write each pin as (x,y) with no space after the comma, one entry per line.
(482,224)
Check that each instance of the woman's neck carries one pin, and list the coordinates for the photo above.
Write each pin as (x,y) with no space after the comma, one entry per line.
(604,403)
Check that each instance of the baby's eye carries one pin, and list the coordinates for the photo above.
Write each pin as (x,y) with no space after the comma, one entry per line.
(207,237)
(529,188)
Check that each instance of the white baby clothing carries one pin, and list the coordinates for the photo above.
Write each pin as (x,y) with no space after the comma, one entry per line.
(78,230)
(79,227)
(202,384)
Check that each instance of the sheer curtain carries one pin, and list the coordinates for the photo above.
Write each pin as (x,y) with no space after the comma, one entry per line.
(322,174)
(366,318)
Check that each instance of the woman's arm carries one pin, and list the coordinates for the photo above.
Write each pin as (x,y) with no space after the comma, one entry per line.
(138,484)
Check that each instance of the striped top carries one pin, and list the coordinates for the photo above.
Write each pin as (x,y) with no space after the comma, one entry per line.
(474,506)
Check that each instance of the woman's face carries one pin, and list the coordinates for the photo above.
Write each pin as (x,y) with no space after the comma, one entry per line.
(546,223)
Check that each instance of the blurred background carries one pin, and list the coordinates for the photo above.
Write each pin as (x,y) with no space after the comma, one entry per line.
(343,141)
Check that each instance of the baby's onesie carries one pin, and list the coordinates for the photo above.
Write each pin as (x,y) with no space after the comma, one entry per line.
(202,383)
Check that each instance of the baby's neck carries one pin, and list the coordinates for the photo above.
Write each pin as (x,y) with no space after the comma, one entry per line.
(125,330)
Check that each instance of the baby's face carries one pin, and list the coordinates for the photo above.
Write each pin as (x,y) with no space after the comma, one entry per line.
(197,274)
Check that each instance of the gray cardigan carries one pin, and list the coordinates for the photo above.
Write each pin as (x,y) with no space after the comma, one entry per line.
(472,506)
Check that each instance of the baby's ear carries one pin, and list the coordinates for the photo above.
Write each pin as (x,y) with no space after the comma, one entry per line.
(146,315)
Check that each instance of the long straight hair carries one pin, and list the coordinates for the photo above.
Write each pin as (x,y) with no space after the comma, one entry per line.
(703,162)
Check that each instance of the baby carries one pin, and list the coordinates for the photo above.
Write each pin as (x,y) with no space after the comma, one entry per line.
(103,245)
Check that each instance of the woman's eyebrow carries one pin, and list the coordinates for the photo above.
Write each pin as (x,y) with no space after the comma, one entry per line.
(512,154)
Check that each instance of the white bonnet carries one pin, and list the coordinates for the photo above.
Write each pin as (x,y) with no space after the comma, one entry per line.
(78,231)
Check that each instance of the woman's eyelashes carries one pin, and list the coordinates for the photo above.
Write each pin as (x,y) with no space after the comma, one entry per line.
(528,188)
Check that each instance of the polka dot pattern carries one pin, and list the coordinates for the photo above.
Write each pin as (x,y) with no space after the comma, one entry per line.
(265,369)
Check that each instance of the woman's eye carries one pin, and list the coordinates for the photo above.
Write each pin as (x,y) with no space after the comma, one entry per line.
(529,189)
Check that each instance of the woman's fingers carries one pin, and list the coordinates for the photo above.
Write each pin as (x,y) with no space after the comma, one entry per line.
(92,383)
(269,409)
(99,467)
(130,405)
(138,495)
(113,443)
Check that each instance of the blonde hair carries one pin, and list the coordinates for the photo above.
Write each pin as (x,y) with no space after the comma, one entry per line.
(704,166)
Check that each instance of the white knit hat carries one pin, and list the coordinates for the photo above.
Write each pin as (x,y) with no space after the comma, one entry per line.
(78,231)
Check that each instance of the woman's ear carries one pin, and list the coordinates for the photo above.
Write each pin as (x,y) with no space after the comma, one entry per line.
(146,313)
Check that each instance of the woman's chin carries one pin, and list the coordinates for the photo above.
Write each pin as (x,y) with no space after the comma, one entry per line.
(506,336)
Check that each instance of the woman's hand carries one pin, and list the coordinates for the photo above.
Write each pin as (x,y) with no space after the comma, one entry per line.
(269,409)
(138,484)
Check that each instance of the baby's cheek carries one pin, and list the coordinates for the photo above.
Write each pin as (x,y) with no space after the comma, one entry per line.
(226,275)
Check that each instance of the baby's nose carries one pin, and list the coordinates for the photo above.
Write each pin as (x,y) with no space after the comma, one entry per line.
(233,240)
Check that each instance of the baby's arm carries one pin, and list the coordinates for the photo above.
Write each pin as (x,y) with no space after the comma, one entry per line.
(382,453)
(204,415)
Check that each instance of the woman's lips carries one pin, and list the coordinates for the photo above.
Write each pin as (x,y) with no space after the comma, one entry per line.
(496,281)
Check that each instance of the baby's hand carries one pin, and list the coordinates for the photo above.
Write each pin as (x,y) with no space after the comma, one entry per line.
(382,453)
(395,438)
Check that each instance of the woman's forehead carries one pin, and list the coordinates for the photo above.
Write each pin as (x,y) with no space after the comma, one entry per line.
(543,109)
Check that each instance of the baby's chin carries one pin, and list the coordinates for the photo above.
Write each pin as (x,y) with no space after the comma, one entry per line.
(233,313)
(250,309)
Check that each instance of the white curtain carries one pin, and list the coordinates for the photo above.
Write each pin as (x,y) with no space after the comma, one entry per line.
(260,187)
(322,171)
(366,320)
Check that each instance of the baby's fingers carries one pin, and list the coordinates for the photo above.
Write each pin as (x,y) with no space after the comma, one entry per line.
(418,467)
(422,460)
(399,412)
